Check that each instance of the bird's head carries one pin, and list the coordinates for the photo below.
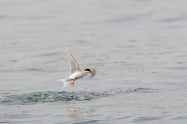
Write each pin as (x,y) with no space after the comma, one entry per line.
(90,71)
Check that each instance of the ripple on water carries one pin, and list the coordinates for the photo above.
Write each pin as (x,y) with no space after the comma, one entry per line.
(49,96)
(145,119)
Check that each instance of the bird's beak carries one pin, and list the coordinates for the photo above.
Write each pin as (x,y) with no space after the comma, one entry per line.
(93,72)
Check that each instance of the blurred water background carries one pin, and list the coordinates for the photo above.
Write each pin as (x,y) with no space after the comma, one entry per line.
(138,47)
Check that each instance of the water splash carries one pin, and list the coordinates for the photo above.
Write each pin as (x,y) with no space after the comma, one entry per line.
(47,97)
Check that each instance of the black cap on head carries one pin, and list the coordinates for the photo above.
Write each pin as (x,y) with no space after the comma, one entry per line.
(87,69)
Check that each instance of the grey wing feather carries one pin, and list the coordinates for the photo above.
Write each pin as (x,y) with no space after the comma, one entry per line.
(74,66)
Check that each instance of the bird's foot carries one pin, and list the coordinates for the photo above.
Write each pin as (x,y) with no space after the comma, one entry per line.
(73,83)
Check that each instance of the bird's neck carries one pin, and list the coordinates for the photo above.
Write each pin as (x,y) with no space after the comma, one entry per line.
(85,72)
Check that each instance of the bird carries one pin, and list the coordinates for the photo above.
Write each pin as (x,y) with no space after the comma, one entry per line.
(76,72)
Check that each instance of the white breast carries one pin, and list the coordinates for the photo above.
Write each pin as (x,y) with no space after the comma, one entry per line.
(78,75)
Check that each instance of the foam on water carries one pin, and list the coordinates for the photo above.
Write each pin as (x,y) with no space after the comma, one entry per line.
(49,96)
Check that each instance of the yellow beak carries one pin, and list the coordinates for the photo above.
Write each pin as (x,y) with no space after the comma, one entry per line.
(93,72)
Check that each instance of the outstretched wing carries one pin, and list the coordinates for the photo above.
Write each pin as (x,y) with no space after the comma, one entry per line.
(74,66)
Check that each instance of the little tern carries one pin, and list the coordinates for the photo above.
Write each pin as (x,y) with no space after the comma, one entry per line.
(75,71)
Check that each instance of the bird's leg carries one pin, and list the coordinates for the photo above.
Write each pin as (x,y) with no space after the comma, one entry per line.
(72,83)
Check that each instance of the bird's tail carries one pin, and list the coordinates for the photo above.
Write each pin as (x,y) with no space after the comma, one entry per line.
(65,81)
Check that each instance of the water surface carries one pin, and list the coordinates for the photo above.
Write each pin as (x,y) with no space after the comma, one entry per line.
(138,48)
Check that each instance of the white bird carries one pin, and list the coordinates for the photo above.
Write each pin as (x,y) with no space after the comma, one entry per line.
(76,72)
